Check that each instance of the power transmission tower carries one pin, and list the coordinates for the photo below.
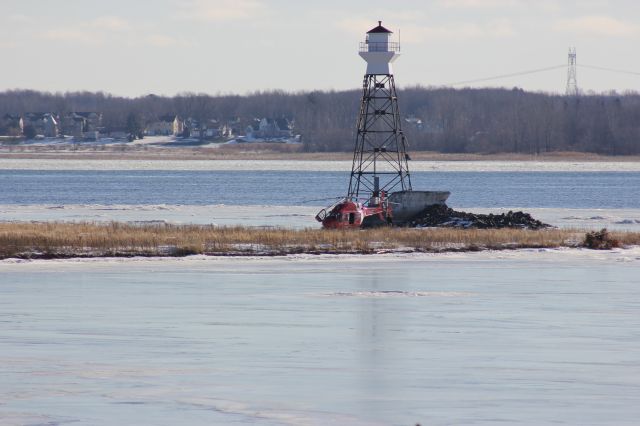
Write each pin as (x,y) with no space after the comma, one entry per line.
(572,82)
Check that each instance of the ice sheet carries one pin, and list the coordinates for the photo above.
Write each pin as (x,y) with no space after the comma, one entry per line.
(521,337)
(549,256)
(303,165)
(285,216)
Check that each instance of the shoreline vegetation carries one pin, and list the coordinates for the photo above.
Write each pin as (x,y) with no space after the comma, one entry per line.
(59,240)
(264,151)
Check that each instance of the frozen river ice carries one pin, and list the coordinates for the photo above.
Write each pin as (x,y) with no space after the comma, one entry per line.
(280,216)
(527,337)
(71,163)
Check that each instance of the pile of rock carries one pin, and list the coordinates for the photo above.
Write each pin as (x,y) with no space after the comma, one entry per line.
(443,216)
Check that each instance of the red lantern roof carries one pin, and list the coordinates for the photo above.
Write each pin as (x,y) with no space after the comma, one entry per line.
(379,29)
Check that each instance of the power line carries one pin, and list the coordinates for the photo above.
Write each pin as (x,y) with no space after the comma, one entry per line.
(609,69)
(498,77)
(538,70)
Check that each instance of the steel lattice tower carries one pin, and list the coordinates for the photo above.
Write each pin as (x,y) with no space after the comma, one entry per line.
(379,156)
(572,82)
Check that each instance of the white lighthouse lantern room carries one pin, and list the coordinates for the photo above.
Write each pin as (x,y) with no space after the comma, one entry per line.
(379,51)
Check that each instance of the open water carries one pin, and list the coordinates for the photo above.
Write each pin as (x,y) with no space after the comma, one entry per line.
(571,190)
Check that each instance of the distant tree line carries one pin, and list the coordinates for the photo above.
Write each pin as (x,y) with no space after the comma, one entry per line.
(441,119)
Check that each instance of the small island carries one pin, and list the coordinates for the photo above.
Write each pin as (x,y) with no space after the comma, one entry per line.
(58,240)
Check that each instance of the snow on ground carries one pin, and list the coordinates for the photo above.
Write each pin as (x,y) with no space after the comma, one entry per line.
(61,142)
(303,165)
(547,257)
(156,140)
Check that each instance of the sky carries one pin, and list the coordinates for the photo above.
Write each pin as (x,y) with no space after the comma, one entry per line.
(133,48)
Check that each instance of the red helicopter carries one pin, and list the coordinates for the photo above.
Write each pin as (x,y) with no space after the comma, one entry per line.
(349,213)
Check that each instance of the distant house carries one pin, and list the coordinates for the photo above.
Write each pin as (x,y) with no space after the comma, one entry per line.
(433,127)
(191,127)
(226,130)
(270,128)
(207,129)
(414,122)
(210,129)
(42,123)
(11,125)
(214,129)
(252,129)
(82,125)
(235,126)
(73,125)
(93,120)
(165,125)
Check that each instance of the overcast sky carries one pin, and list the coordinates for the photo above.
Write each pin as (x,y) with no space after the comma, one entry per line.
(136,47)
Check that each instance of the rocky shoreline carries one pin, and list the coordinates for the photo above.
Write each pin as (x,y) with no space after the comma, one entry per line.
(440,215)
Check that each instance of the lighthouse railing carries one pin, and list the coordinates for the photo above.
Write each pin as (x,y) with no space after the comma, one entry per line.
(391,46)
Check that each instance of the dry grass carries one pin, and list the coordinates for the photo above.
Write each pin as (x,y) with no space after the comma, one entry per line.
(50,240)
(626,238)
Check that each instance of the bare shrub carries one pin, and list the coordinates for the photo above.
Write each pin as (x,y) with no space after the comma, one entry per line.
(600,240)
